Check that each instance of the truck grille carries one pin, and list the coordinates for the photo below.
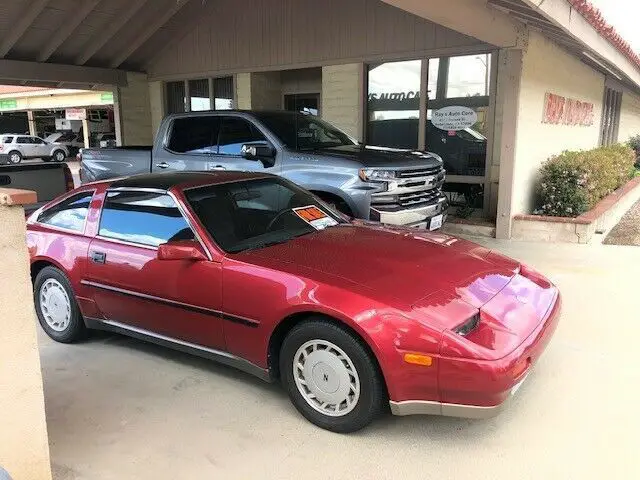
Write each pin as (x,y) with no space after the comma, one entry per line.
(407,199)
(418,172)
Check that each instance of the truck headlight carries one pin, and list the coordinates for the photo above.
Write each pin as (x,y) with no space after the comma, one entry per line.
(371,174)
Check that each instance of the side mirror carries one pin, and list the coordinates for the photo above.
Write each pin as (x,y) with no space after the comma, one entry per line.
(181,250)
(257,151)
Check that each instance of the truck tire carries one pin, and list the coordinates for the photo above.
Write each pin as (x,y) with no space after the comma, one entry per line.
(15,157)
(330,376)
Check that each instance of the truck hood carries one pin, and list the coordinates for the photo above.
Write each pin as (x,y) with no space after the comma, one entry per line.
(377,157)
(396,264)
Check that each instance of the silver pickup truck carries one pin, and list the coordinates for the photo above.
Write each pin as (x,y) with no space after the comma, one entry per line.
(399,187)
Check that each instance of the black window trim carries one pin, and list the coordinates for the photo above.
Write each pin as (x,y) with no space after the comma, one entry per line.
(58,202)
(158,191)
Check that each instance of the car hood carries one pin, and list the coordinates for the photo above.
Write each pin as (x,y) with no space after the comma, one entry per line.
(397,263)
(370,156)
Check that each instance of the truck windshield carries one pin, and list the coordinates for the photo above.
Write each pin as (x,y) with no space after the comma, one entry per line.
(303,132)
(254,214)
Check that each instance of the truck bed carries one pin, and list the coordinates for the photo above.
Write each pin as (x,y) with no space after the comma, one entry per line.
(104,163)
(48,180)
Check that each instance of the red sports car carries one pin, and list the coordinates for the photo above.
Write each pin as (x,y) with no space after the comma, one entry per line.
(252,271)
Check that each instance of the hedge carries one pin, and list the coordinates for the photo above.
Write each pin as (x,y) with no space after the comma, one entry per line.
(571,183)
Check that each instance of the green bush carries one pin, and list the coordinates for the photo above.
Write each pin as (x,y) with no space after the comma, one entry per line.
(573,182)
(634,143)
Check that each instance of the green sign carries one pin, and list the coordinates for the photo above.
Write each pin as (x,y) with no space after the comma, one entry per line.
(106,97)
(8,103)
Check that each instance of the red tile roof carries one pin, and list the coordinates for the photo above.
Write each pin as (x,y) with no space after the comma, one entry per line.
(594,16)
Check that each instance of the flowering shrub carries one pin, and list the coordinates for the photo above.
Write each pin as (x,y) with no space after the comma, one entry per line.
(634,142)
(574,181)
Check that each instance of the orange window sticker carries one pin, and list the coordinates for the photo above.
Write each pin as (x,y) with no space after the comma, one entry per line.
(315,217)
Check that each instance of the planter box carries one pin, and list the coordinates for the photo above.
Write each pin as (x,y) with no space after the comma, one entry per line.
(605,215)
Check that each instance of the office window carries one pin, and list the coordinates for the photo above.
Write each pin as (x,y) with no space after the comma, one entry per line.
(393,104)
(199,95)
(610,116)
(176,99)
(223,93)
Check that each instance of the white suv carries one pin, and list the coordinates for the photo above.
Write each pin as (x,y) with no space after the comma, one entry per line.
(18,146)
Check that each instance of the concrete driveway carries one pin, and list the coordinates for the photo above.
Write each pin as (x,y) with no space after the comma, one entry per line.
(121,409)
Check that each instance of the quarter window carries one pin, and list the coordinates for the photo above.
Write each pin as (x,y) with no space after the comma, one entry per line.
(69,214)
(144,218)
(234,133)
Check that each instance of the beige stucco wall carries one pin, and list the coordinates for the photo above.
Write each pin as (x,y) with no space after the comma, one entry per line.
(156,101)
(549,68)
(629,116)
(24,448)
(343,97)
(258,91)
(132,111)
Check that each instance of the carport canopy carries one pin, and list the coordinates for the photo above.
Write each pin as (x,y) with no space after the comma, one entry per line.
(85,44)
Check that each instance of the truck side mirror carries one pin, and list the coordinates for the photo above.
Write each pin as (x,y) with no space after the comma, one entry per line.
(257,151)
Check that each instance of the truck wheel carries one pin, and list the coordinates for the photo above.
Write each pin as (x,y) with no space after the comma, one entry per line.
(15,157)
(56,306)
(330,377)
(59,156)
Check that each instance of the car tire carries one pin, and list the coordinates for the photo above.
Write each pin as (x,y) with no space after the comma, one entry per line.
(56,306)
(59,156)
(337,384)
(15,157)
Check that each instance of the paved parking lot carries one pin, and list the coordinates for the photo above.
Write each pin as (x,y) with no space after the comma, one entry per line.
(121,409)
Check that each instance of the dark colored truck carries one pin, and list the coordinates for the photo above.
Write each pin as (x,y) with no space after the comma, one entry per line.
(393,186)
(48,180)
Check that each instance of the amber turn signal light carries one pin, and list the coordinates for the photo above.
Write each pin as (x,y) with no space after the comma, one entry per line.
(418,359)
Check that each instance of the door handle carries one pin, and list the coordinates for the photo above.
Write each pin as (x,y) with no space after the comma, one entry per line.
(98,257)
(218,167)
(162,165)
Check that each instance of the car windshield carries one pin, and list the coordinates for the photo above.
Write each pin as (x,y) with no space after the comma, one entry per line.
(303,132)
(254,214)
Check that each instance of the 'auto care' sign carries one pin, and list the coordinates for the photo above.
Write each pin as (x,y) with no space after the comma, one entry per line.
(454,118)
(559,110)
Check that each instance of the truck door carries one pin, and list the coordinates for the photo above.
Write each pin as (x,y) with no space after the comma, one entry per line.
(234,132)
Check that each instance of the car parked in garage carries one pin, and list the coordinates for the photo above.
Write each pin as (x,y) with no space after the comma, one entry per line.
(255,272)
(19,147)
(72,141)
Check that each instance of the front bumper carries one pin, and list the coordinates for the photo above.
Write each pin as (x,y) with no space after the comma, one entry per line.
(490,403)
(410,217)
(418,407)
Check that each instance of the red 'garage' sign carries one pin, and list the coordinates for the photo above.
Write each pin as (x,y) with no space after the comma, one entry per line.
(567,111)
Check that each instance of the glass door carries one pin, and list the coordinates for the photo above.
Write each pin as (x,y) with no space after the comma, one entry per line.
(457,126)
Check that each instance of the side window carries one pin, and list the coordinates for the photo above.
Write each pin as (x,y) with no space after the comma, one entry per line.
(235,132)
(144,218)
(25,140)
(37,141)
(7,140)
(69,214)
(197,134)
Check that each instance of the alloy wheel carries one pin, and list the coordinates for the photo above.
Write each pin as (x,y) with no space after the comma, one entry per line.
(326,378)
(55,305)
